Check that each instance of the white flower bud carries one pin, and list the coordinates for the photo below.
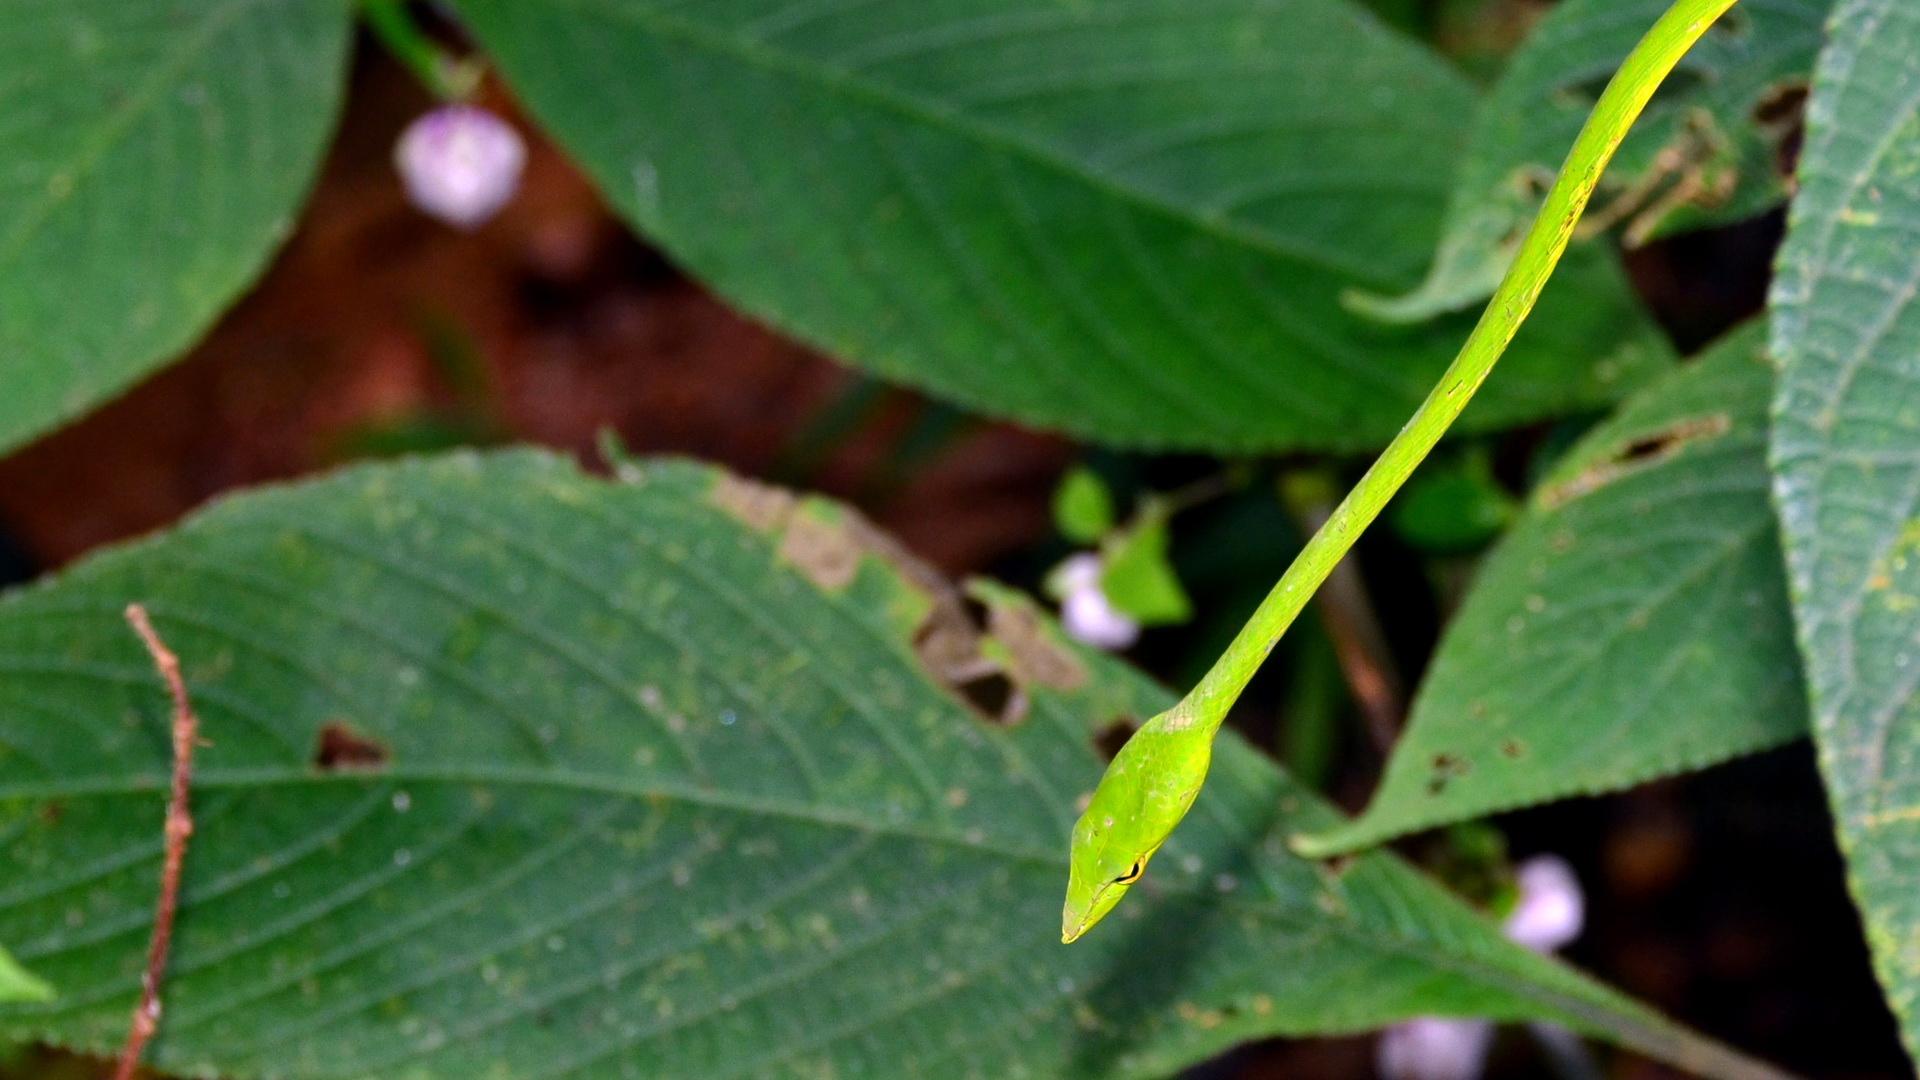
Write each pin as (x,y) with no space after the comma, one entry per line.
(1432,1048)
(1549,913)
(460,163)
(1551,909)
(1084,611)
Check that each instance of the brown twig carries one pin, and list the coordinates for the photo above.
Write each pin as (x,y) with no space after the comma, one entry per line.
(1361,648)
(146,1014)
(1359,642)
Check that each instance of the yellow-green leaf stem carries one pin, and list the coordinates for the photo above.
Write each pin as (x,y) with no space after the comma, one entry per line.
(1153,780)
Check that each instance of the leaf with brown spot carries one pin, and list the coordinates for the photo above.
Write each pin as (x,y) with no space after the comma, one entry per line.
(1641,451)
(339,748)
(1846,460)
(760,506)
(1633,623)
(1034,651)
(665,791)
(818,544)
(1705,152)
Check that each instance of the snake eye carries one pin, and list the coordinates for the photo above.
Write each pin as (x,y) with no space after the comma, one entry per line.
(1133,873)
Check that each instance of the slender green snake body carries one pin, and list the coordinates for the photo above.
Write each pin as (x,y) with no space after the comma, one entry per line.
(1152,782)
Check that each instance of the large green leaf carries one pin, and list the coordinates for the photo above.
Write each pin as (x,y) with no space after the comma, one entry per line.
(1633,624)
(518,773)
(152,156)
(1710,148)
(1846,456)
(17,985)
(1130,220)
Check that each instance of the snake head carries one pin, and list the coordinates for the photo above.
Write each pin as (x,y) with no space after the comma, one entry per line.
(1144,794)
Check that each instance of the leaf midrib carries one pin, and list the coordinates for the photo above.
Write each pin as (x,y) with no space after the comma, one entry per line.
(592,783)
(1413,945)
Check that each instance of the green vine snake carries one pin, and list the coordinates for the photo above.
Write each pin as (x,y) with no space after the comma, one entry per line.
(1152,782)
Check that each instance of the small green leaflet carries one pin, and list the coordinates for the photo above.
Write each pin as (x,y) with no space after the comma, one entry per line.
(1137,573)
(1082,506)
(17,984)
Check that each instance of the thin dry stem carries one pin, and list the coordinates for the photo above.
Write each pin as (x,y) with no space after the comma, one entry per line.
(146,1014)
(1359,642)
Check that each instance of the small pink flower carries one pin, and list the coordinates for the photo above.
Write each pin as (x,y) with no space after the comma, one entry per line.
(461,164)
(1550,910)
(1432,1048)
(1548,914)
(1084,610)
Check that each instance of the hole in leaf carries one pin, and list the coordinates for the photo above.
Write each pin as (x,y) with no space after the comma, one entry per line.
(1683,83)
(1781,105)
(1641,453)
(1781,115)
(1731,24)
(1446,766)
(339,748)
(1663,443)
(977,613)
(994,695)
(1335,867)
(1113,735)
(948,645)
